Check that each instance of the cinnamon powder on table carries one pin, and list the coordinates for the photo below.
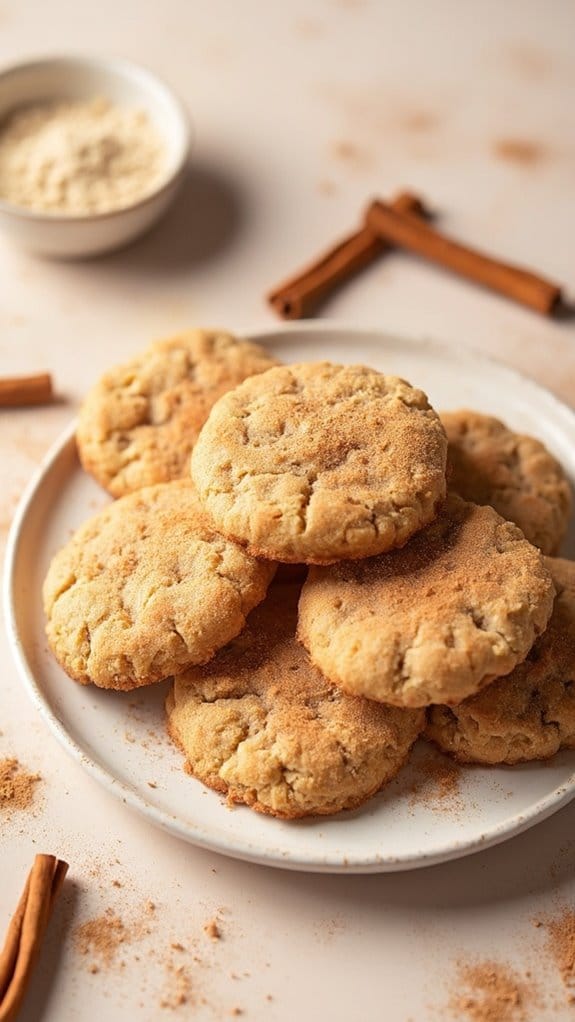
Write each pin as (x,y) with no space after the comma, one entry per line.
(491,991)
(519,151)
(101,938)
(17,786)
(178,989)
(561,936)
(106,936)
(212,929)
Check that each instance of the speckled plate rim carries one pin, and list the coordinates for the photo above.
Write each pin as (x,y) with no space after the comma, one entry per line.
(245,849)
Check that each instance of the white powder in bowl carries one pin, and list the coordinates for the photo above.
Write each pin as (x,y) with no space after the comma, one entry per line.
(78,158)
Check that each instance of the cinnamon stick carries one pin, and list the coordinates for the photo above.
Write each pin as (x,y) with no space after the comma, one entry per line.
(410,232)
(25,390)
(301,294)
(26,932)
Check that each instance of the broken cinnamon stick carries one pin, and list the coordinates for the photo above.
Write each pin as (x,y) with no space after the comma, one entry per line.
(299,296)
(25,390)
(410,232)
(26,932)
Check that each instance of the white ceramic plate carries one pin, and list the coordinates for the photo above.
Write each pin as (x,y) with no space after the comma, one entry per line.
(119,738)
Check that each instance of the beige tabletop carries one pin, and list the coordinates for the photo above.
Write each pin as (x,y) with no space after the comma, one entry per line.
(301,112)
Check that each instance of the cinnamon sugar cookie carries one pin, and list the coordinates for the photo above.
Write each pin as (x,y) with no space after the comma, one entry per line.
(145,588)
(263,725)
(460,605)
(515,474)
(317,462)
(138,425)
(530,714)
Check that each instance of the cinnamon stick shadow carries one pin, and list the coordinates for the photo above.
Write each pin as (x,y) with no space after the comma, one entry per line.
(36,1000)
(564,311)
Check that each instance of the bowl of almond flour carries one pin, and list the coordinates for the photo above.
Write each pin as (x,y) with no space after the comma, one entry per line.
(92,153)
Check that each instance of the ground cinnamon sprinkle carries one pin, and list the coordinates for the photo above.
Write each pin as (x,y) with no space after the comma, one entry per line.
(102,938)
(490,991)
(445,774)
(561,934)
(520,151)
(17,787)
(178,989)
(213,930)
(437,782)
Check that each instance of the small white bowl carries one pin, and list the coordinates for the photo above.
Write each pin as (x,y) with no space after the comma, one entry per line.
(77,78)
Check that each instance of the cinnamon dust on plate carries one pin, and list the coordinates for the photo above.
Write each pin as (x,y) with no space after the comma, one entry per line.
(438,783)
(445,775)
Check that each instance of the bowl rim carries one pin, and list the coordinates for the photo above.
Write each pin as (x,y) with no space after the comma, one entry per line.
(122,68)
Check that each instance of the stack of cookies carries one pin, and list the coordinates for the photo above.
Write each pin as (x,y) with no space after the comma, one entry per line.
(415,592)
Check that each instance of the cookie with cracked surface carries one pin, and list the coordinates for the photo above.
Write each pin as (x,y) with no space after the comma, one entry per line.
(318,462)
(515,474)
(138,425)
(263,725)
(145,588)
(530,714)
(436,621)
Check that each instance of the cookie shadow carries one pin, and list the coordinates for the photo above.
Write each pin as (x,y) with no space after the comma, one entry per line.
(536,862)
(568,545)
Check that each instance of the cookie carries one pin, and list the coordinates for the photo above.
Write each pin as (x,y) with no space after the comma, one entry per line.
(515,474)
(145,588)
(318,462)
(261,723)
(138,425)
(460,605)
(530,714)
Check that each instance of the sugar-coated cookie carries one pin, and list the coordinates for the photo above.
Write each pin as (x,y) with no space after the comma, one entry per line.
(138,425)
(515,474)
(318,462)
(459,605)
(261,724)
(145,588)
(530,714)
